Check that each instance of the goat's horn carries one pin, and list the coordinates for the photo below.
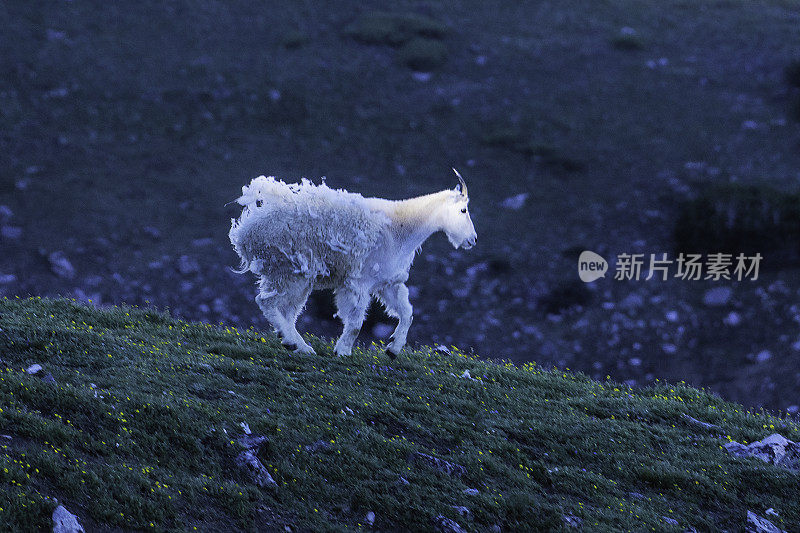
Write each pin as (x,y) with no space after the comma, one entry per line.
(463,184)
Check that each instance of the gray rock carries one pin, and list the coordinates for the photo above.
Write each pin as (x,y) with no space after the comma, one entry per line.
(447,525)
(471,492)
(632,302)
(442,349)
(251,464)
(200,243)
(65,522)
(758,524)
(188,265)
(33,369)
(370,518)
(572,521)
(382,330)
(7,279)
(775,449)
(60,265)
(515,202)
(49,378)
(11,232)
(733,319)
(670,521)
(5,213)
(152,232)
(717,296)
(463,511)
(446,467)
(316,446)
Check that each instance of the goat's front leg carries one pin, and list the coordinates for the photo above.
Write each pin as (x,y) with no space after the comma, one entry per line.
(352,307)
(395,299)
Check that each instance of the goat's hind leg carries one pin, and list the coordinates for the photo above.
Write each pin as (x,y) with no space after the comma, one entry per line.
(281,310)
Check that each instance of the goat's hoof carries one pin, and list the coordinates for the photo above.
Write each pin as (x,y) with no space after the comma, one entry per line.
(391,354)
(289,346)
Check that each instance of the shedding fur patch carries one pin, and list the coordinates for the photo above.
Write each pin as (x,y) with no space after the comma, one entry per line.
(303,229)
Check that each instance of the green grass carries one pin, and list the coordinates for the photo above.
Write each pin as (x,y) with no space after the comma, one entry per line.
(139,432)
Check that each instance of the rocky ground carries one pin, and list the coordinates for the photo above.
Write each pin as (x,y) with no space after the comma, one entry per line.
(123,132)
(734,338)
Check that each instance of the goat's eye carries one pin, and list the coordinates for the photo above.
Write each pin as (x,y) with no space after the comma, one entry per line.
(463,209)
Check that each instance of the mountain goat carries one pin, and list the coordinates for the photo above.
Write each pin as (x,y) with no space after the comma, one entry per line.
(301,237)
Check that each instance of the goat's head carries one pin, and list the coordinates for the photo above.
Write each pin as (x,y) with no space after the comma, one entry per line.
(457,223)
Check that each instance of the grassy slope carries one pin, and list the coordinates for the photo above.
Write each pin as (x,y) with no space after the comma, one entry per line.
(131,435)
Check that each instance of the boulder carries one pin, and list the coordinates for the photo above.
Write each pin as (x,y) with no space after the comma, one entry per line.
(757,524)
(775,449)
(65,522)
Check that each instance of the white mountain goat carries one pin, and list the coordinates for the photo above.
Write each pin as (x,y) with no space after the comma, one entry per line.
(301,237)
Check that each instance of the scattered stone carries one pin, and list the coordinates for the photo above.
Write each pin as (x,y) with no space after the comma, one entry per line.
(471,492)
(245,428)
(771,512)
(442,349)
(421,77)
(251,442)
(700,423)
(463,511)
(632,302)
(6,279)
(672,316)
(758,524)
(572,521)
(201,243)
(466,375)
(11,232)
(447,525)
(370,518)
(60,265)
(761,357)
(33,369)
(670,521)
(717,296)
(316,446)
(152,232)
(733,319)
(775,449)
(403,481)
(669,348)
(5,213)
(251,464)
(635,361)
(49,378)
(382,330)
(446,467)
(188,265)
(496,529)
(515,202)
(65,522)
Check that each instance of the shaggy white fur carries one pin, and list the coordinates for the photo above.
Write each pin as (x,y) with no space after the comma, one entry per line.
(301,237)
